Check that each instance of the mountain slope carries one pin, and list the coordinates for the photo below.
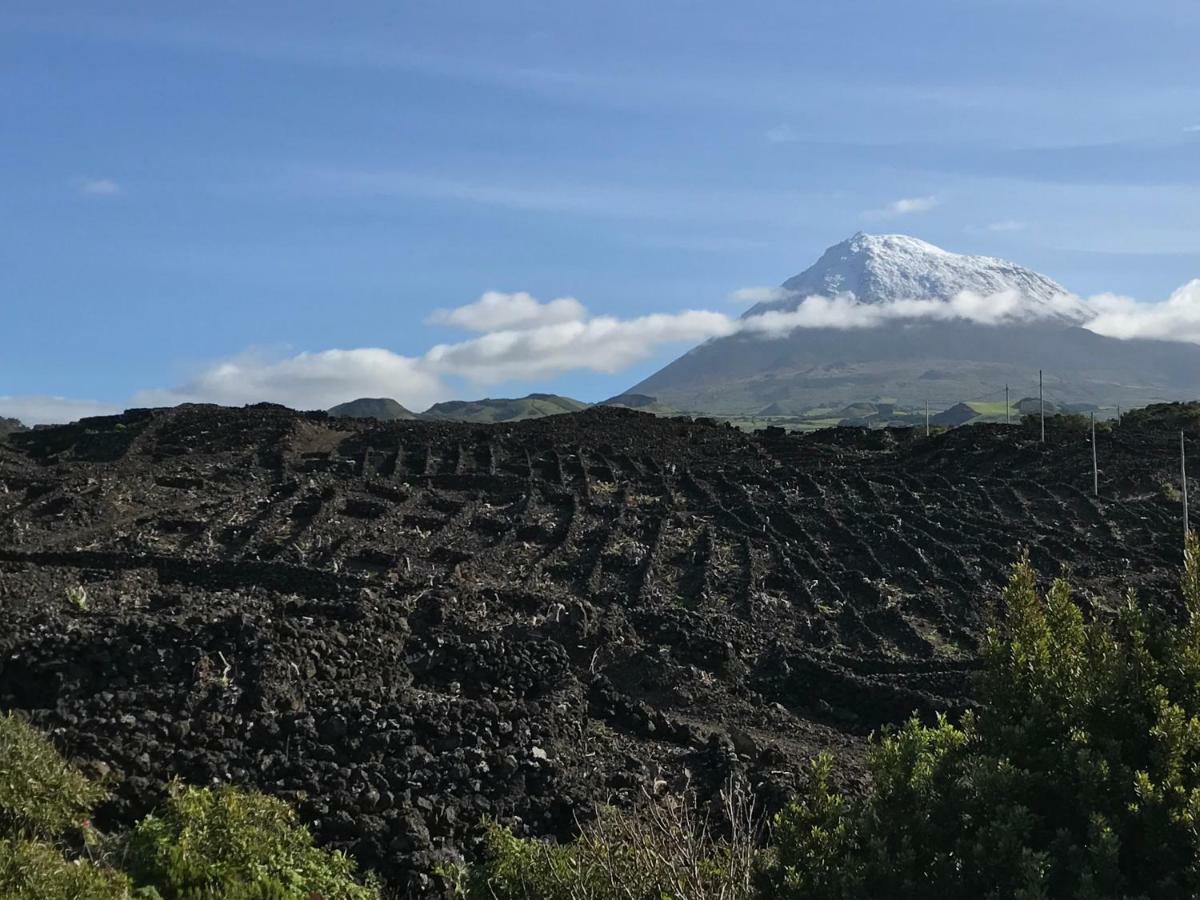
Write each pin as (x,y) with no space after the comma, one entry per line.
(911,360)
(382,408)
(641,403)
(534,406)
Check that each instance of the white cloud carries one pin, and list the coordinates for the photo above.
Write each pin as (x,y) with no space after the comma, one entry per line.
(495,311)
(758,295)
(1192,129)
(600,344)
(1175,319)
(1006,225)
(307,381)
(98,187)
(35,409)
(903,207)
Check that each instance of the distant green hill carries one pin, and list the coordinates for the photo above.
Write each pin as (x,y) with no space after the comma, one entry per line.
(642,403)
(488,410)
(381,408)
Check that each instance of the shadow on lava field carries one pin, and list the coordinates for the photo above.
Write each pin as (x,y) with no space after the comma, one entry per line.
(405,627)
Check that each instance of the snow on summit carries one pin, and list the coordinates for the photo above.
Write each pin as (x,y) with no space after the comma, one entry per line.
(892,268)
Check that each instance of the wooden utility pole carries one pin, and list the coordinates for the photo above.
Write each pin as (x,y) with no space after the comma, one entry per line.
(1007,408)
(1183,479)
(1042,405)
(926,418)
(1095,466)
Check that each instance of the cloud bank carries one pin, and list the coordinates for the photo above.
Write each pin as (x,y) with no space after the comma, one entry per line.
(518,337)
(1175,319)
(306,380)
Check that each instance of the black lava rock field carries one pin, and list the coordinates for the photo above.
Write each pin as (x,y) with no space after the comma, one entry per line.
(404,628)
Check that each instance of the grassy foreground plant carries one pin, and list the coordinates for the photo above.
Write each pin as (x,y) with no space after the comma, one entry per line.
(663,851)
(41,794)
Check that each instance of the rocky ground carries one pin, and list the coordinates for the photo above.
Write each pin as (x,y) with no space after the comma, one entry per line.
(405,627)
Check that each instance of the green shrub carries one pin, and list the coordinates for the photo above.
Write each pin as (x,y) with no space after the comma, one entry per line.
(661,852)
(41,795)
(226,843)
(1080,777)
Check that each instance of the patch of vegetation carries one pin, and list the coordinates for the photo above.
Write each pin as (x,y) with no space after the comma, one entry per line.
(488,410)
(77,596)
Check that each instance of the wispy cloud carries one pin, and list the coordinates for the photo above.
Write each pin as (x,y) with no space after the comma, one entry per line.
(97,187)
(1192,129)
(903,207)
(653,201)
(782,134)
(1006,225)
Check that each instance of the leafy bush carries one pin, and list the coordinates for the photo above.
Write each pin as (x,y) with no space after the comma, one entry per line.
(34,870)
(1080,777)
(1164,416)
(226,843)
(661,851)
(41,794)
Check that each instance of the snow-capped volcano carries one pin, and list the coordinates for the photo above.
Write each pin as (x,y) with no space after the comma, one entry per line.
(890,268)
(893,319)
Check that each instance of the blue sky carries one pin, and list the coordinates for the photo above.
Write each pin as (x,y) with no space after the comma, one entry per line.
(188,184)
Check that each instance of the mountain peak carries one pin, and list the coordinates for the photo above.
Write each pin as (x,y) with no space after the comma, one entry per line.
(884,268)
